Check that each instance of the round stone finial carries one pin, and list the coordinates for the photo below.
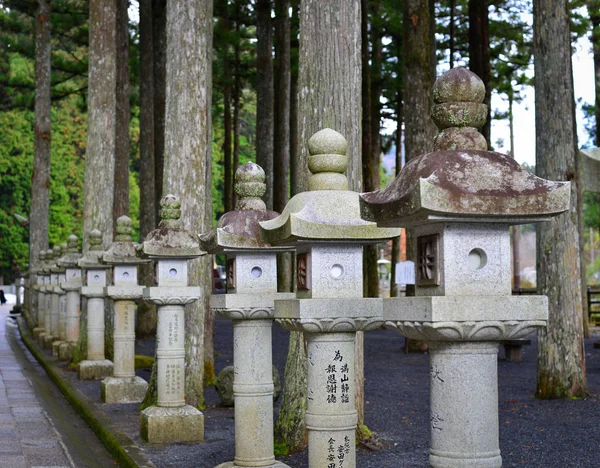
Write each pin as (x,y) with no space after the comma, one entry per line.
(49,254)
(42,255)
(458,111)
(73,243)
(170,211)
(95,239)
(57,251)
(327,161)
(124,229)
(250,187)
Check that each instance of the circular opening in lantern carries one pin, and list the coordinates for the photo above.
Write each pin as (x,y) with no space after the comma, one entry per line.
(337,271)
(125,274)
(173,272)
(477,259)
(256,272)
(96,277)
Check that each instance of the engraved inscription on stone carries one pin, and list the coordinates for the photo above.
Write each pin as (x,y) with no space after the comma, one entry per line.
(337,385)
(337,453)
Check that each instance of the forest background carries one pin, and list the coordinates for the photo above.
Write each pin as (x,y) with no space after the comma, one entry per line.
(234,103)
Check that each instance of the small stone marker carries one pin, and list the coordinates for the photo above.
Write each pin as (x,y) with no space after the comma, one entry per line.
(325,226)
(38,287)
(171,420)
(72,285)
(251,290)
(96,366)
(124,386)
(461,201)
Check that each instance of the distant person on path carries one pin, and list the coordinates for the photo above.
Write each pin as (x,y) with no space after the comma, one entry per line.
(2,298)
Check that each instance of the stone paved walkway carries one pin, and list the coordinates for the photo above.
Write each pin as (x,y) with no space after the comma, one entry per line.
(28,438)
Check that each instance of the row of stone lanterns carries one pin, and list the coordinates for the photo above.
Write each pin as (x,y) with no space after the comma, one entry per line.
(460,200)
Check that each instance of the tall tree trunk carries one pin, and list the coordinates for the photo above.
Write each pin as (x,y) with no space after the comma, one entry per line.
(451,34)
(561,357)
(40,178)
(159,53)
(516,233)
(281,146)
(188,160)
(227,155)
(121,203)
(264,95)
(237,103)
(370,279)
(146,317)
(329,84)
(418,77)
(398,168)
(294,50)
(98,210)
(479,52)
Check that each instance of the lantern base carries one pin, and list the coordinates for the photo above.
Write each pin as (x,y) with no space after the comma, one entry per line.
(123,390)
(94,370)
(160,424)
(66,351)
(36,332)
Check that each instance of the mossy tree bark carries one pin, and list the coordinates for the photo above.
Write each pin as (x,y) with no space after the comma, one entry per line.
(479,53)
(418,75)
(187,171)
(264,95)
(146,314)
(329,95)
(101,142)
(561,358)
(281,142)
(159,64)
(40,178)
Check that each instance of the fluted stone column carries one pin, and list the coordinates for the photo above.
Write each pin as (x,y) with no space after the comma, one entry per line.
(171,420)
(251,290)
(324,225)
(460,200)
(124,386)
(96,366)
(72,286)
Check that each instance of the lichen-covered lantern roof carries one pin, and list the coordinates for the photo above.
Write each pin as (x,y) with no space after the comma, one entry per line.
(328,211)
(238,230)
(122,250)
(169,240)
(461,180)
(93,257)
(71,253)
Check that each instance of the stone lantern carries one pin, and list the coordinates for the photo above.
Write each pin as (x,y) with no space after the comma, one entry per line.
(461,200)
(61,302)
(96,366)
(171,420)
(38,288)
(324,225)
(124,386)
(72,285)
(47,336)
(251,290)
(54,300)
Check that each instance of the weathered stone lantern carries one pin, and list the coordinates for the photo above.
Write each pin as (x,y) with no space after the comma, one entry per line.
(324,225)
(251,290)
(96,366)
(47,336)
(461,201)
(38,289)
(61,302)
(124,386)
(72,285)
(171,420)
